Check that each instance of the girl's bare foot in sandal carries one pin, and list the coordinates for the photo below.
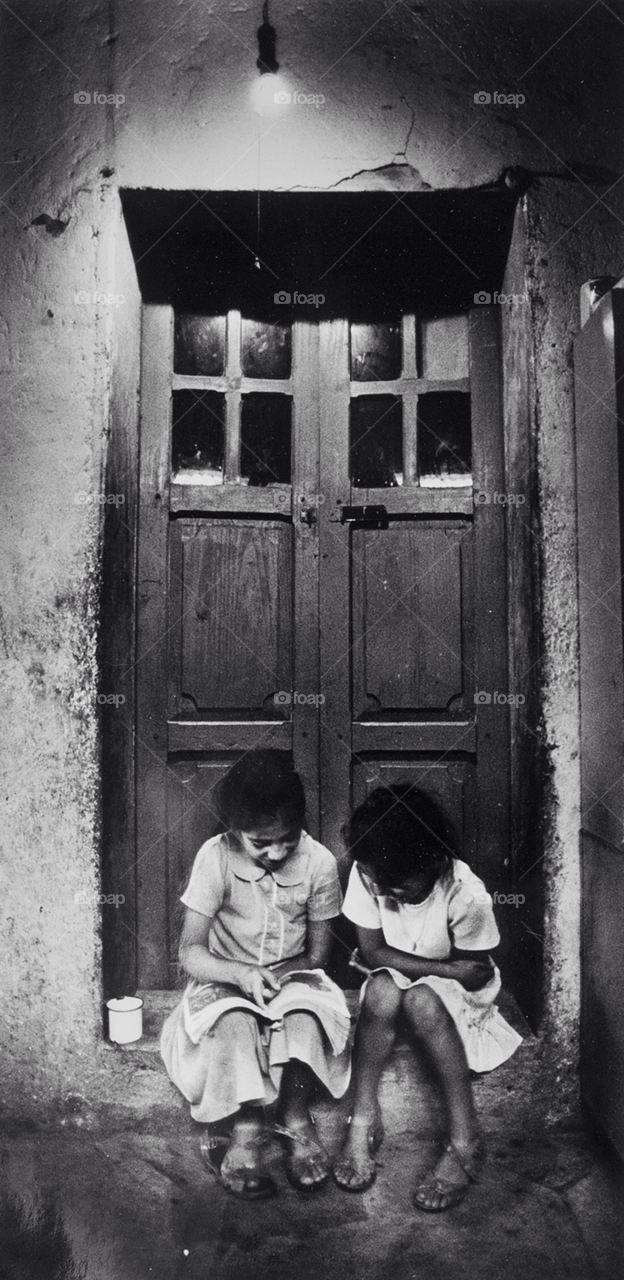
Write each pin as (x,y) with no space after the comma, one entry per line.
(447,1183)
(239,1170)
(355,1168)
(306,1162)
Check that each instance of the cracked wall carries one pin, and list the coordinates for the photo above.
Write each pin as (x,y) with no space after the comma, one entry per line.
(398,84)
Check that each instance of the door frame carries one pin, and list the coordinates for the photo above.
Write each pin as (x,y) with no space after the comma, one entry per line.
(118,612)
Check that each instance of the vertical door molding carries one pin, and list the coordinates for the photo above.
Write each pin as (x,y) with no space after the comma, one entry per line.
(307,502)
(335,633)
(491,665)
(151,730)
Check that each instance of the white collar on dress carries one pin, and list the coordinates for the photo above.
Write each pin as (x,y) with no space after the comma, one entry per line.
(288,873)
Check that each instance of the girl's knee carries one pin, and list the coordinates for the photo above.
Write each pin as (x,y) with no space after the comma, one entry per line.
(304,1027)
(425,1008)
(238,1024)
(382,998)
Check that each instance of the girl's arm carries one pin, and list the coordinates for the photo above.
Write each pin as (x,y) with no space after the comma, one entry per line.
(316,954)
(258,983)
(472,968)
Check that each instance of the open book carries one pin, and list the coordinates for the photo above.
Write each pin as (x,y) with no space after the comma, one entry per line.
(309,991)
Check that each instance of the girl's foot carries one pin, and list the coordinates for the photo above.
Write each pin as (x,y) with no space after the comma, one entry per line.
(239,1165)
(306,1161)
(447,1183)
(355,1168)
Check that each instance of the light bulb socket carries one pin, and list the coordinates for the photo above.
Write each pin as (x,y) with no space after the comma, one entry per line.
(267,63)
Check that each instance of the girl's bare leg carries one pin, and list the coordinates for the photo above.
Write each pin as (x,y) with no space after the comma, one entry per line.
(240,1168)
(433,1027)
(374,1038)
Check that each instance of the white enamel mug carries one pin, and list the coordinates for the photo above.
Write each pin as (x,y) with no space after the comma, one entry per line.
(125,1019)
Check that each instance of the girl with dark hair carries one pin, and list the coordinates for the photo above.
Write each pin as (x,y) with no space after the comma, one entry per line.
(425,929)
(258,906)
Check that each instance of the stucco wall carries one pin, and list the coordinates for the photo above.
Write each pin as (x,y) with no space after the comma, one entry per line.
(398,83)
(565,246)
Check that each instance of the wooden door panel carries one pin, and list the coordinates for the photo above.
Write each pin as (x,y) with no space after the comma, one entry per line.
(409,584)
(191,820)
(232,629)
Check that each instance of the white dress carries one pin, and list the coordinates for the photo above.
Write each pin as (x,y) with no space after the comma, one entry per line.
(458,913)
(259,917)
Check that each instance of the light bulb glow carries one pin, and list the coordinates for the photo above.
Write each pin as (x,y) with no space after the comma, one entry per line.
(270,95)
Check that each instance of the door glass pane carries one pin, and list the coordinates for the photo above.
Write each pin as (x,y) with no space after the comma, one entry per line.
(376,442)
(444,348)
(197,437)
(265,438)
(444,441)
(199,344)
(375,352)
(265,349)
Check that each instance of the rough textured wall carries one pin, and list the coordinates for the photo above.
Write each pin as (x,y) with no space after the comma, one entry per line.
(398,83)
(565,247)
(54,408)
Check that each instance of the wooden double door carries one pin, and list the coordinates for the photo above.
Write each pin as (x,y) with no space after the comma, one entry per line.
(321,570)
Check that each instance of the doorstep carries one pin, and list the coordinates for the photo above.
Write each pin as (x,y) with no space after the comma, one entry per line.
(157,1005)
(135,1093)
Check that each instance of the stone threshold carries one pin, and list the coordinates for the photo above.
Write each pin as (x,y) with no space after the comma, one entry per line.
(157,1005)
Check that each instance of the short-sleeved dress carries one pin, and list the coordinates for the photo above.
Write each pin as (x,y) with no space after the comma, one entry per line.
(458,913)
(259,917)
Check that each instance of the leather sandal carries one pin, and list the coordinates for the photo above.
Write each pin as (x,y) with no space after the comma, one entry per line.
(246,1182)
(365,1180)
(452,1193)
(297,1166)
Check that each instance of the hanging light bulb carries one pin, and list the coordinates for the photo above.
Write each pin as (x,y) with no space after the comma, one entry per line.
(269,93)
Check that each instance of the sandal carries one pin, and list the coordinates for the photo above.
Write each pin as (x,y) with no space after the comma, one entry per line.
(347,1166)
(451,1192)
(245,1181)
(305,1164)
(212,1147)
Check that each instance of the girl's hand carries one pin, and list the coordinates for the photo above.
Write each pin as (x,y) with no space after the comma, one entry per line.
(471,973)
(258,984)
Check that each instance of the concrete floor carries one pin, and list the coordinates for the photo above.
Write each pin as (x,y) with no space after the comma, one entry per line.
(128,1203)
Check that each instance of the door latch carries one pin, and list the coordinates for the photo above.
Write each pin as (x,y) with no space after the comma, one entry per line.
(371,517)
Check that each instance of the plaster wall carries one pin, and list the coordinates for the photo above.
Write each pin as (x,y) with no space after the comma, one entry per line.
(398,82)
